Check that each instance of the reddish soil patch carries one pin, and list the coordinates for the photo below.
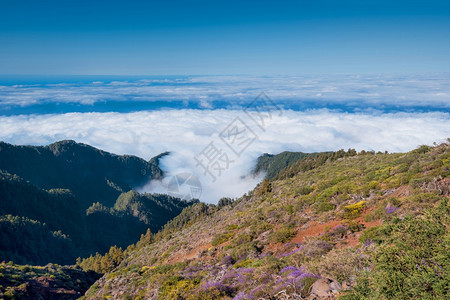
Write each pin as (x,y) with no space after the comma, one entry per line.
(194,252)
(315,229)
(180,257)
(353,239)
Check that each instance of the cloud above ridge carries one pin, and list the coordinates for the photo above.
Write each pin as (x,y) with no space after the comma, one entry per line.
(185,133)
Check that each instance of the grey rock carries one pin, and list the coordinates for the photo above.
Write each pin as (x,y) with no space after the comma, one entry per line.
(346,285)
(335,287)
(321,288)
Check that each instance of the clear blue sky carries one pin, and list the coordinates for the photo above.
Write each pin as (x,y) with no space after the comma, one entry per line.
(223,37)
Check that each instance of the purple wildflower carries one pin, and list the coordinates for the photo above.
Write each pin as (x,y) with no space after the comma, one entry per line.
(288,269)
(229,278)
(325,245)
(255,290)
(216,286)
(368,243)
(340,227)
(290,253)
(243,257)
(340,230)
(240,296)
(418,267)
(391,209)
(293,277)
(245,270)
(227,260)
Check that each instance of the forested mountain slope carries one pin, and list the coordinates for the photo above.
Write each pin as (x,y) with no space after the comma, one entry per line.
(66,200)
(91,174)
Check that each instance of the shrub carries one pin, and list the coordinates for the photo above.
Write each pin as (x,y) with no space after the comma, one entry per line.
(340,230)
(312,248)
(177,287)
(222,238)
(227,260)
(414,261)
(323,206)
(422,149)
(425,198)
(285,234)
(342,264)
(353,211)
(295,280)
(211,290)
(242,239)
(290,209)
(242,251)
(243,263)
(372,234)
(304,190)
(354,226)
(265,188)
(232,227)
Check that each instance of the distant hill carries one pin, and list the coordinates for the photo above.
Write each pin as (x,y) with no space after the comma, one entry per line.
(273,164)
(288,164)
(75,197)
(91,174)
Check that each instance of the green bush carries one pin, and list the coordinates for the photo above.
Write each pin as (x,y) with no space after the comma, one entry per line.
(177,287)
(232,227)
(222,238)
(372,234)
(304,190)
(414,260)
(354,226)
(323,206)
(265,187)
(353,211)
(285,234)
(342,264)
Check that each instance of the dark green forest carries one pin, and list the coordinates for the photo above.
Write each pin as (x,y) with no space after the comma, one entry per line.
(70,200)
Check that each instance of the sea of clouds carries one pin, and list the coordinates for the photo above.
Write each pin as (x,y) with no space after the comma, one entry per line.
(186,132)
(349,92)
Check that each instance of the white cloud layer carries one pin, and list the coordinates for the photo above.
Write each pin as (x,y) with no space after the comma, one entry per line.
(187,132)
(394,91)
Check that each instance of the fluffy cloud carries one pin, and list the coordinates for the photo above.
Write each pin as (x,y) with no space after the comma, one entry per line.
(187,132)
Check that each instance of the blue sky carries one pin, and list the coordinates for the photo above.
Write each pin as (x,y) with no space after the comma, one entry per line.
(223,37)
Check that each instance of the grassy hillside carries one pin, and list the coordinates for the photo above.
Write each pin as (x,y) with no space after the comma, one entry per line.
(67,200)
(356,226)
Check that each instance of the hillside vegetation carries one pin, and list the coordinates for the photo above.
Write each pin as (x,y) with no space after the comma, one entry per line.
(345,224)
